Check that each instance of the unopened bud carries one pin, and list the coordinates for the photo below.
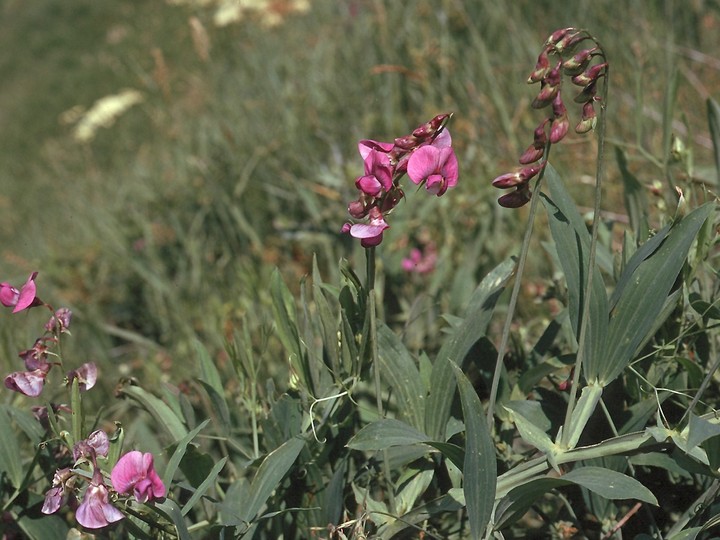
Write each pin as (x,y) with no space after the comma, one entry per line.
(559,128)
(532,154)
(589,118)
(408,142)
(578,63)
(517,198)
(557,35)
(587,93)
(592,74)
(569,41)
(542,67)
(357,209)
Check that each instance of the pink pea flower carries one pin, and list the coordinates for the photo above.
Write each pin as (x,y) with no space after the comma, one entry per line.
(24,298)
(36,357)
(135,472)
(59,321)
(96,444)
(378,174)
(370,234)
(436,164)
(419,262)
(57,495)
(85,374)
(95,511)
(29,383)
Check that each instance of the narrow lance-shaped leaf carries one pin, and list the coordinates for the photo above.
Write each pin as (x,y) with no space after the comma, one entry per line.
(636,311)
(714,121)
(398,368)
(572,241)
(477,318)
(480,468)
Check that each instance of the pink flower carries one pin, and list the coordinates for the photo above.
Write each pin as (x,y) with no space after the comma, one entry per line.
(135,472)
(60,321)
(370,234)
(63,481)
(85,374)
(96,444)
(378,174)
(23,299)
(419,262)
(435,164)
(95,511)
(29,383)
(36,358)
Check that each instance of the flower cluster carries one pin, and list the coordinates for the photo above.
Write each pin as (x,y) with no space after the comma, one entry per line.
(562,54)
(133,473)
(37,364)
(425,155)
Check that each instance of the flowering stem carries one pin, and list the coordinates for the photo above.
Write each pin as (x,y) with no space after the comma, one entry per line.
(515,292)
(370,255)
(599,172)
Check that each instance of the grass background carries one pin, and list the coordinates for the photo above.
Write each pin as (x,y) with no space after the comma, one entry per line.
(165,227)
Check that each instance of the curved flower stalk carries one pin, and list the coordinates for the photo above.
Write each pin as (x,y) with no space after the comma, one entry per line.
(426,156)
(567,52)
(576,54)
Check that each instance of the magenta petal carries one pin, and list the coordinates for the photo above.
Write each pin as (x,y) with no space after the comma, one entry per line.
(29,383)
(449,166)
(27,294)
(135,472)
(96,511)
(423,162)
(369,185)
(366,145)
(8,295)
(363,230)
(443,140)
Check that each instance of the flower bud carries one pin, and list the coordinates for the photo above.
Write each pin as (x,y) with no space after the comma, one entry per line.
(569,41)
(587,93)
(589,118)
(560,123)
(357,209)
(532,154)
(578,63)
(542,67)
(408,142)
(557,35)
(590,75)
(517,198)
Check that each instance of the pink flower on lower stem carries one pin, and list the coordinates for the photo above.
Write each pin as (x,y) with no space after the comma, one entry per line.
(370,234)
(95,511)
(85,374)
(134,472)
(436,166)
(23,299)
(419,262)
(29,383)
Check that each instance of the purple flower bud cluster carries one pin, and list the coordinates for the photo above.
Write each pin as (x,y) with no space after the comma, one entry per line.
(562,55)
(425,156)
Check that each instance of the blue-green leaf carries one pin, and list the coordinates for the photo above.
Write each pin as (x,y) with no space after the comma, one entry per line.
(385,433)
(480,468)
(163,414)
(477,318)
(204,486)
(636,313)
(398,368)
(179,452)
(572,241)
(610,484)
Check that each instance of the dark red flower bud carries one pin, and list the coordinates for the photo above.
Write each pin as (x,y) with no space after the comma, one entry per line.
(532,154)
(557,35)
(542,67)
(578,63)
(587,93)
(517,198)
(590,75)
(589,118)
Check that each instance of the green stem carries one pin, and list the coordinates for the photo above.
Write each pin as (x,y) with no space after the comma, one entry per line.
(370,254)
(599,172)
(515,293)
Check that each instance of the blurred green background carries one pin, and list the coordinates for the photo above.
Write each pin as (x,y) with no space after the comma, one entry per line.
(235,151)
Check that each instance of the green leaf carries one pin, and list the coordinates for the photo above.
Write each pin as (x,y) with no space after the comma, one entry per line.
(171,510)
(518,501)
(479,468)
(532,424)
(204,486)
(179,452)
(700,430)
(452,502)
(714,121)
(572,241)
(44,528)
(634,195)
(644,296)
(208,370)
(164,416)
(474,326)
(610,484)
(10,455)
(385,433)
(287,328)
(272,470)
(398,368)
(584,408)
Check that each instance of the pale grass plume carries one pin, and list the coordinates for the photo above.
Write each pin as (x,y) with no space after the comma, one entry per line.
(102,114)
